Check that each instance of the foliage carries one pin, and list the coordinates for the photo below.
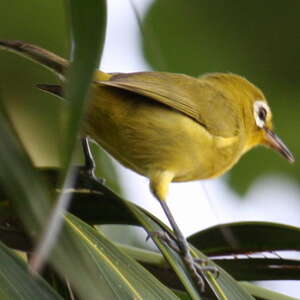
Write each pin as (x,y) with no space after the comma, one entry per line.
(84,264)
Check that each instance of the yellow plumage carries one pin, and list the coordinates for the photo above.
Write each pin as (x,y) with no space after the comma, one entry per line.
(170,127)
(173,127)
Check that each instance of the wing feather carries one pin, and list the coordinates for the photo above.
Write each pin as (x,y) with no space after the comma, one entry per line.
(196,98)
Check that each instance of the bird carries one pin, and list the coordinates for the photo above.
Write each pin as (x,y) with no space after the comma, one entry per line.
(169,127)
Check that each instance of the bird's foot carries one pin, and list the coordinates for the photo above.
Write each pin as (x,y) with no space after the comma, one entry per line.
(89,166)
(202,265)
(196,265)
(88,172)
(165,238)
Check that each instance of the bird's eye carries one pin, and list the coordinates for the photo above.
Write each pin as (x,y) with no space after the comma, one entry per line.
(260,110)
(262,113)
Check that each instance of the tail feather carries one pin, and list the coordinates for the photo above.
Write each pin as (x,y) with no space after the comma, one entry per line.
(52,89)
(55,63)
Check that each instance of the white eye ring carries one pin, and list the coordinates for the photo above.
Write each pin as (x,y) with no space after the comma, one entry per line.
(257,106)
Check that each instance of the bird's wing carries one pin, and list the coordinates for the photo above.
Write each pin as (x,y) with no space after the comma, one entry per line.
(191,96)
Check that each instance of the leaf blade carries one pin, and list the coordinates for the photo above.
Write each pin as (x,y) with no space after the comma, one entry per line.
(247,237)
(17,283)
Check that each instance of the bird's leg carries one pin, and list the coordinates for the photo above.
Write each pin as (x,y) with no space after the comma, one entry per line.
(180,239)
(89,162)
(183,248)
(159,182)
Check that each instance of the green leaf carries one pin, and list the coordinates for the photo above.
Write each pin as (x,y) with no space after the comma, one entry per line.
(78,250)
(93,192)
(61,285)
(182,295)
(88,24)
(20,182)
(222,286)
(102,202)
(259,42)
(251,268)
(172,258)
(264,294)
(17,283)
(119,277)
(96,204)
(246,237)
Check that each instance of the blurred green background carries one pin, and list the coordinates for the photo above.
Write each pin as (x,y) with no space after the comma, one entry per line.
(35,114)
(259,40)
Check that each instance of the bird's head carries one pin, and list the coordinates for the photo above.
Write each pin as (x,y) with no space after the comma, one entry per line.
(254,111)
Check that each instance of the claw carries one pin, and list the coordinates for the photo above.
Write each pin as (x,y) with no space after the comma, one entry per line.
(205,268)
(196,271)
(84,170)
(166,238)
(191,263)
(197,265)
(89,166)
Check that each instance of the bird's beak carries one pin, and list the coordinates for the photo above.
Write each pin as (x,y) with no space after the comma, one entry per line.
(277,144)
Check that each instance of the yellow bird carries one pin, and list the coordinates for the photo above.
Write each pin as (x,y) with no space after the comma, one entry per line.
(171,127)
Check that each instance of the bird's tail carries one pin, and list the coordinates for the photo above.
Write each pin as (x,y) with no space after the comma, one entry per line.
(53,89)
